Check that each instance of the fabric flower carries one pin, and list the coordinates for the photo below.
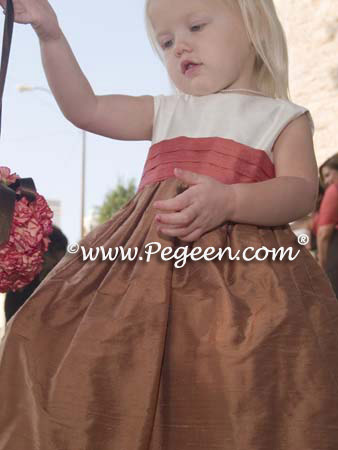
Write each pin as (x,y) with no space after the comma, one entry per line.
(21,257)
(6,177)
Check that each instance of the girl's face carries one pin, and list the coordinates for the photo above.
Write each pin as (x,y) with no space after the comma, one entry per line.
(329,175)
(210,34)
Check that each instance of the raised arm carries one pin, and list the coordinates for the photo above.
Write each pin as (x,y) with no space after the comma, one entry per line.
(121,117)
(116,116)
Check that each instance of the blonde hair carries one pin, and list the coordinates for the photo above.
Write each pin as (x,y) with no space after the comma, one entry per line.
(266,33)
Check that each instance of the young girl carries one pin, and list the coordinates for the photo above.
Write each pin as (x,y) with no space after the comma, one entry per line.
(224,353)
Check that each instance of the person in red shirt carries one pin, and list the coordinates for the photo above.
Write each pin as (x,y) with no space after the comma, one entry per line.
(325,224)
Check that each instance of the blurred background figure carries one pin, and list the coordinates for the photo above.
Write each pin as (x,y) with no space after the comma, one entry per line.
(56,250)
(309,223)
(325,221)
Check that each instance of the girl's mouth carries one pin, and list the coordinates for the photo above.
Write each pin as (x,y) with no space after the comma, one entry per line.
(191,69)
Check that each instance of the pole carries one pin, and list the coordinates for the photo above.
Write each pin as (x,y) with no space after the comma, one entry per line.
(83,186)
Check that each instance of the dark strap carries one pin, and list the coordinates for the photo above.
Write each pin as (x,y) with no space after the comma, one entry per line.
(8,196)
(6,47)
(7,203)
(26,185)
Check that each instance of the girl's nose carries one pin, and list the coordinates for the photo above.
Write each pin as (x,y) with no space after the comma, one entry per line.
(182,45)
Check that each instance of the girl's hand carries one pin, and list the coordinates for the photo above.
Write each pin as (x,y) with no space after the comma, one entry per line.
(39,14)
(205,205)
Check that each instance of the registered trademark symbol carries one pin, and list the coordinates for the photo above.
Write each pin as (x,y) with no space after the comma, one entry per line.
(303,239)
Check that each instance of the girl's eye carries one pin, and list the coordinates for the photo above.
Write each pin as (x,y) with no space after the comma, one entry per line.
(166,44)
(197,27)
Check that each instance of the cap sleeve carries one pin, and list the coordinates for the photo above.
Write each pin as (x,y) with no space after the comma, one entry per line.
(312,125)
(286,114)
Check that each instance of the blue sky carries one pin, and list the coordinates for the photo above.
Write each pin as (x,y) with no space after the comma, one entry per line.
(110,43)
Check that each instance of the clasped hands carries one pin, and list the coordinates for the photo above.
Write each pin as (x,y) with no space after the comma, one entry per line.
(205,205)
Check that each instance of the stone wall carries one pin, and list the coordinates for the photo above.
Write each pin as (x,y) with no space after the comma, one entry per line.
(311,27)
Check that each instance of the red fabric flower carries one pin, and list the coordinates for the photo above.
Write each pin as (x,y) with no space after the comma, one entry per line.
(21,257)
(6,177)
